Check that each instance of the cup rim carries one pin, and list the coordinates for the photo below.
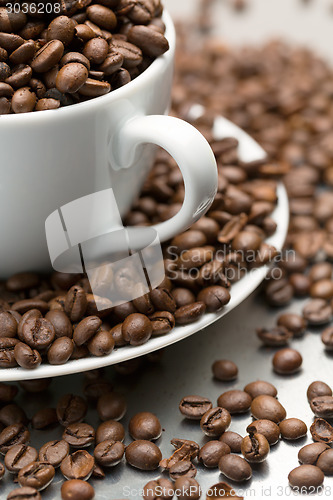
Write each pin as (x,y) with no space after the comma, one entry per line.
(104,100)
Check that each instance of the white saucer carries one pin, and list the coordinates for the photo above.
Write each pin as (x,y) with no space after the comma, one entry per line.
(249,150)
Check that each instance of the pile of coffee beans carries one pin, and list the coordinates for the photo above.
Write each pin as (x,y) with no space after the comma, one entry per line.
(53,54)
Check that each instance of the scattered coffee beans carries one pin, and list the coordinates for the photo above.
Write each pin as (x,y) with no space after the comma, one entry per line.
(194,407)
(225,370)
(270,430)
(306,477)
(267,407)
(293,428)
(235,401)
(145,426)
(211,452)
(235,468)
(215,422)
(233,440)
(143,455)
(255,448)
(287,361)
(76,489)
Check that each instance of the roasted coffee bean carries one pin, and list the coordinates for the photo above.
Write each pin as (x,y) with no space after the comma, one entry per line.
(317,389)
(37,332)
(8,325)
(48,56)
(225,370)
(194,407)
(37,475)
(96,50)
(184,468)
(151,42)
(327,338)
(61,28)
(255,448)
(274,337)
(109,453)
(23,54)
(267,407)
(270,430)
(46,104)
(12,414)
(235,468)
(279,292)
(187,488)
(222,490)
(23,306)
(233,440)
(310,453)
(163,300)
(190,313)
(110,431)
(317,312)
(78,465)
(12,435)
(94,88)
(18,456)
(54,452)
(161,488)
(235,401)
(26,357)
(287,361)
(7,392)
(189,239)
(111,406)
(94,388)
(76,489)
(86,329)
(145,426)
(23,100)
(185,451)
(306,477)
(143,455)
(260,387)
(36,386)
(71,77)
(300,283)
(211,452)
(325,462)
(215,422)
(293,428)
(137,329)
(25,493)
(294,323)
(321,431)
(322,406)
(60,351)
(79,435)
(75,303)
(162,322)
(43,418)
(101,344)
(214,297)
(102,16)
(71,409)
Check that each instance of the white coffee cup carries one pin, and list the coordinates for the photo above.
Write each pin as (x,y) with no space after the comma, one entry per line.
(51,158)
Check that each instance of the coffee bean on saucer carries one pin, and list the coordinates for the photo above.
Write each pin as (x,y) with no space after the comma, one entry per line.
(310,453)
(322,406)
(190,313)
(211,452)
(235,468)
(109,453)
(293,428)
(233,440)
(60,351)
(214,297)
(137,329)
(267,407)
(24,493)
(260,387)
(306,477)
(54,452)
(37,475)
(26,357)
(215,422)
(225,370)
(187,488)
(143,455)
(321,431)
(79,435)
(287,361)
(159,488)
(317,389)
(194,407)
(270,430)
(78,465)
(145,426)
(61,323)
(255,448)
(76,489)
(162,322)
(235,401)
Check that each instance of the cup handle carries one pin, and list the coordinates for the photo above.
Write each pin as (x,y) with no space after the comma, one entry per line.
(192,153)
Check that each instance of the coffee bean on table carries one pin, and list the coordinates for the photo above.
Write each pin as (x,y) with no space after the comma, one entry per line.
(187,488)
(325,462)
(43,418)
(287,361)
(306,477)
(255,448)
(78,465)
(215,422)
(109,453)
(71,409)
(25,493)
(37,475)
(194,407)
(110,430)
(145,426)
(183,468)
(18,456)
(235,468)
(310,453)
(54,452)
(235,401)
(267,407)
(111,406)
(270,430)
(277,336)
(321,431)
(317,312)
(79,435)
(293,428)
(211,452)
(322,406)
(161,488)
(225,370)
(233,440)
(292,322)
(76,489)
(317,389)
(143,455)
(260,387)
(12,435)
